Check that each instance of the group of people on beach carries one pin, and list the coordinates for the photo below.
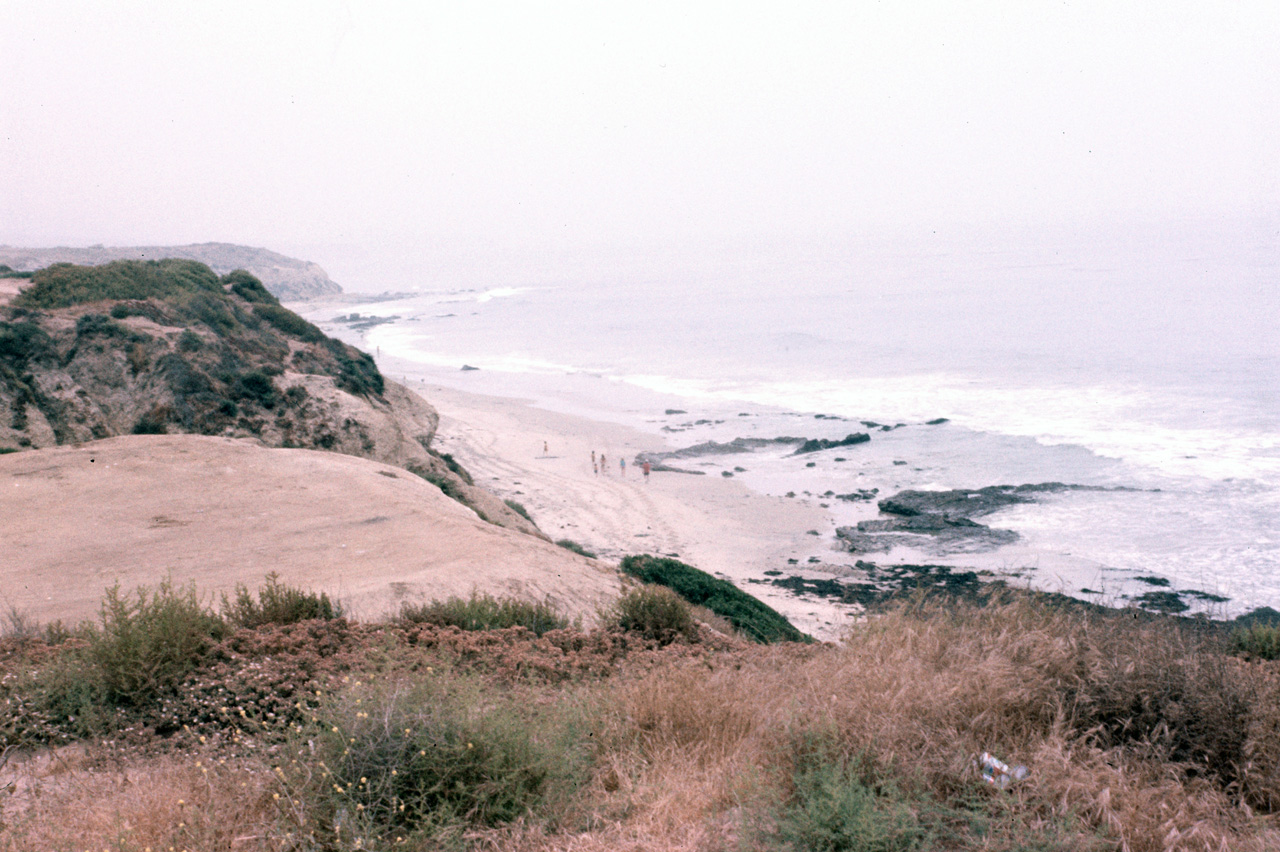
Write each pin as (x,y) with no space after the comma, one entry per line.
(599,467)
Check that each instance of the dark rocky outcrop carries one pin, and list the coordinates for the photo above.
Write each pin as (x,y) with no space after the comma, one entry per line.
(876,585)
(862,495)
(658,461)
(814,445)
(971,502)
(943,521)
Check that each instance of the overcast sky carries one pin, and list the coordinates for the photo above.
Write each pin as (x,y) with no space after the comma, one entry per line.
(534,127)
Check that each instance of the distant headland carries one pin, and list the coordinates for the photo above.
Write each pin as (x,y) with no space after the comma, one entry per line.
(286,278)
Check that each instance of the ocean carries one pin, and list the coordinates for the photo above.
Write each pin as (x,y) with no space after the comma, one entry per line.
(1145,366)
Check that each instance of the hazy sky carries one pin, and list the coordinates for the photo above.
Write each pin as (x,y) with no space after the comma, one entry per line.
(537,128)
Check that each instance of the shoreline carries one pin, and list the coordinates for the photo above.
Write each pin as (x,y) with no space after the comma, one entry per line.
(844,489)
(717,525)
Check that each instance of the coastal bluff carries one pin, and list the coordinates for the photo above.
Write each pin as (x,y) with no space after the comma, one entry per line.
(286,278)
(133,389)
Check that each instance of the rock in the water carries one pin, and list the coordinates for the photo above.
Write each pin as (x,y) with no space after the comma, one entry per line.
(862,494)
(814,445)
(969,502)
(942,521)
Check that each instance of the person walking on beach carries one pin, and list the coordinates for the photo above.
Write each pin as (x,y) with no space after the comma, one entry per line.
(645,467)
(545,448)
(622,467)
(603,469)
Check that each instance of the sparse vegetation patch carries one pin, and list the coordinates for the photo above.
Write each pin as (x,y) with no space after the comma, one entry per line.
(277,603)
(655,612)
(486,612)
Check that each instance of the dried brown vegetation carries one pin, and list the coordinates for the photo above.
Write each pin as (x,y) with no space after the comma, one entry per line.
(1139,735)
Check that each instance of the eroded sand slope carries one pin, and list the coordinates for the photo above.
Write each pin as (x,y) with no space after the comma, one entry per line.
(134,510)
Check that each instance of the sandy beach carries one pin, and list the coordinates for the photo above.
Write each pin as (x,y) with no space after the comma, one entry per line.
(711,522)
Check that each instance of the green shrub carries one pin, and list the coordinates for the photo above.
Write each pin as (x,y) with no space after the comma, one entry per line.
(570,544)
(60,700)
(1257,641)
(148,642)
(211,310)
(357,372)
(836,807)
(99,325)
(429,760)
(485,612)
(256,386)
(444,483)
(519,509)
(289,322)
(64,284)
(189,341)
(247,286)
(23,341)
(749,615)
(150,424)
(655,612)
(452,463)
(277,603)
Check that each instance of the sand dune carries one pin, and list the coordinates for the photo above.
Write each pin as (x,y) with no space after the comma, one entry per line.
(134,510)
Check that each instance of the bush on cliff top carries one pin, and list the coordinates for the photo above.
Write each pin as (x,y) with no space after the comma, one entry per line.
(277,603)
(485,612)
(655,612)
(752,617)
(64,284)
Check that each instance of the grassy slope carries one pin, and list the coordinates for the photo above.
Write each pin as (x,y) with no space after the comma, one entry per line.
(1136,733)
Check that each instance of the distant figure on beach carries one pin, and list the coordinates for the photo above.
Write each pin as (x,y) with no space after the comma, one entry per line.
(593,458)
(603,469)
(545,449)
(595,469)
(645,468)
(622,466)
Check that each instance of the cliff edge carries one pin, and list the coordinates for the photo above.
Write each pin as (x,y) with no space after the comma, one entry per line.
(169,346)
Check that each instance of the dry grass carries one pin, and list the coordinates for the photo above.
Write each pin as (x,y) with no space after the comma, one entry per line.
(188,803)
(1139,736)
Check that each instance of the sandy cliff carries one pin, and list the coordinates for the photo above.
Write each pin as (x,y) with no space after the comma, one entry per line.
(138,509)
